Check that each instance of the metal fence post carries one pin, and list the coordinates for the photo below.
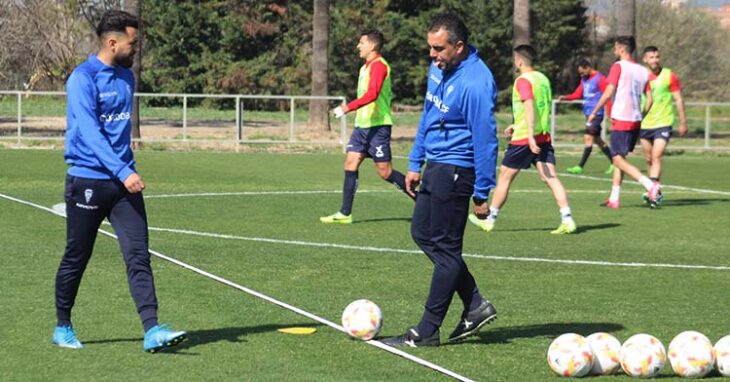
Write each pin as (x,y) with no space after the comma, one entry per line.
(707,126)
(291,119)
(20,118)
(239,119)
(343,130)
(185,119)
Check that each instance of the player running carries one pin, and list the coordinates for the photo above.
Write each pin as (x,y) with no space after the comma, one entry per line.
(373,122)
(591,87)
(530,142)
(627,80)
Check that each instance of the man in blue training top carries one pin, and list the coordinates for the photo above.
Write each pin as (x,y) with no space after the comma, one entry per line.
(457,137)
(102,182)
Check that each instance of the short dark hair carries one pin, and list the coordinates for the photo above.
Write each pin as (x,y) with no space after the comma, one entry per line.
(584,63)
(116,21)
(452,24)
(651,48)
(628,41)
(527,52)
(376,37)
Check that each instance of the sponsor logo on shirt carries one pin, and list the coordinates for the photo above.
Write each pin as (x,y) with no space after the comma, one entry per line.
(113,117)
(437,102)
(107,94)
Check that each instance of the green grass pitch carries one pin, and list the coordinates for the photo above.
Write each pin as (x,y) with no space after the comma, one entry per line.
(233,335)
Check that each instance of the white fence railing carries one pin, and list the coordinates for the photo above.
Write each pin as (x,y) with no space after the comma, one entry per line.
(240,116)
(707,144)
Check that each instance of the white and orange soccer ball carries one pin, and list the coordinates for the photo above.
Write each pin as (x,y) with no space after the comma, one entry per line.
(722,355)
(643,355)
(691,354)
(362,319)
(570,355)
(606,350)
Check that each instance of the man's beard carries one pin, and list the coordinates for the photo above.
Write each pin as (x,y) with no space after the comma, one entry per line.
(126,62)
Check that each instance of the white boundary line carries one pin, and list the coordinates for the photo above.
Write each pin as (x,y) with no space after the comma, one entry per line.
(411,251)
(272,300)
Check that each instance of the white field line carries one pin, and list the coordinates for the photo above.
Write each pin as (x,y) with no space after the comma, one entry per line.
(272,300)
(412,251)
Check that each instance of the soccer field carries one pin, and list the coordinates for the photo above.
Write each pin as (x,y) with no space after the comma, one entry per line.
(252,218)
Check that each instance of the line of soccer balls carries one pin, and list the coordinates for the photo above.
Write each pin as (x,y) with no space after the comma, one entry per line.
(691,355)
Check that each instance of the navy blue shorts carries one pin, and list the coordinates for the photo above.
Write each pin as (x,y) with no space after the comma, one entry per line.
(520,157)
(373,141)
(623,142)
(594,128)
(659,133)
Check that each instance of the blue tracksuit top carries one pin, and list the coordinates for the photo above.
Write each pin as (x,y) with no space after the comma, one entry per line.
(465,98)
(98,121)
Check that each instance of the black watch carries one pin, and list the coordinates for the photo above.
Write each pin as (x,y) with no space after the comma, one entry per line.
(478,201)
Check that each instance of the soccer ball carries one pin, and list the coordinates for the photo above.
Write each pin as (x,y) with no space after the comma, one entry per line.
(642,355)
(362,319)
(606,349)
(722,355)
(691,354)
(570,355)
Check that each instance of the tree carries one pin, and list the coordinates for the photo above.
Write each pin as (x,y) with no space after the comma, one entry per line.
(626,19)
(135,7)
(521,22)
(318,109)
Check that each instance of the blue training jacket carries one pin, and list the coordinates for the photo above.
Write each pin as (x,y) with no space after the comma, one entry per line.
(98,121)
(465,98)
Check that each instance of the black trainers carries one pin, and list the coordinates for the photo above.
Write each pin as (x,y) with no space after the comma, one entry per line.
(473,320)
(412,339)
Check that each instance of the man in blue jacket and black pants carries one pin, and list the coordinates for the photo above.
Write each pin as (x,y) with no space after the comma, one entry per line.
(102,181)
(457,137)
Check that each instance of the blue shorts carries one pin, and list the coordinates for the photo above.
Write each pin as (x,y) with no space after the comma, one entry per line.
(520,157)
(594,128)
(374,142)
(623,142)
(659,133)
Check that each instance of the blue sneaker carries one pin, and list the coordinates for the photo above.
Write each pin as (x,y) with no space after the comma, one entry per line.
(65,337)
(162,337)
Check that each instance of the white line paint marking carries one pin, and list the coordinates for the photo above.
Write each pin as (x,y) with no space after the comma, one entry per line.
(412,251)
(262,296)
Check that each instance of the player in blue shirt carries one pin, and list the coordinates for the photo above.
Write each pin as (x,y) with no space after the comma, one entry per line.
(457,137)
(102,181)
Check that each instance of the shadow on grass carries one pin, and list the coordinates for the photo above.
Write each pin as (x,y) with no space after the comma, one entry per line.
(207,336)
(505,335)
(382,220)
(692,202)
(579,230)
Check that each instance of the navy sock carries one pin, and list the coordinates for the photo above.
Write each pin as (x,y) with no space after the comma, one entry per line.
(586,153)
(149,318)
(349,187)
(476,300)
(426,329)
(607,152)
(399,181)
(63,317)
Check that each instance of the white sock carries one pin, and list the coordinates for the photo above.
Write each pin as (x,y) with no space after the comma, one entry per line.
(566,215)
(493,213)
(615,194)
(646,182)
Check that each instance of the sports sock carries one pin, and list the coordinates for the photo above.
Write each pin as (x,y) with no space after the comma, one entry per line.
(566,215)
(493,213)
(607,152)
(399,181)
(654,179)
(615,194)
(646,182)
(349,187)
(476,300)
(149,318)
(586,153)
(426,329)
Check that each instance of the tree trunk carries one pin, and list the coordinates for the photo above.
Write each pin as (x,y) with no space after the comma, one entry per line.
(135,7)
(318,109)
(521,22)
(626,23)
